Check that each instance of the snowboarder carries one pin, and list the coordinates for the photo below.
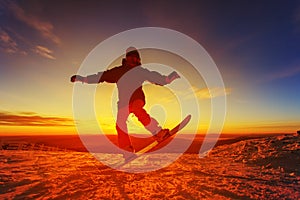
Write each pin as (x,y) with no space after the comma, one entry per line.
(129,78)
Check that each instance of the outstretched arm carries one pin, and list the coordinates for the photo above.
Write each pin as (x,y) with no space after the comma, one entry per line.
(77,78)
(110,76)
(171,77)
(157,78)
(95,78)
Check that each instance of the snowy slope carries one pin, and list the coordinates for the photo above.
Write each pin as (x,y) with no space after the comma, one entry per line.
(264,168)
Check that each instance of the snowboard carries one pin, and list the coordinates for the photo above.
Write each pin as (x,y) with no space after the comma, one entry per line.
(154,144)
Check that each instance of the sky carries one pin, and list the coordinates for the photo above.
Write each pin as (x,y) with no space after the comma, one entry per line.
(255,45)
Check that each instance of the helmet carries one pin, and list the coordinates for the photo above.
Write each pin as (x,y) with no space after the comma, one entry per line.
(132,51)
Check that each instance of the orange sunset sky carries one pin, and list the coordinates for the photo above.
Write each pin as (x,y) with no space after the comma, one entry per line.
(255,47)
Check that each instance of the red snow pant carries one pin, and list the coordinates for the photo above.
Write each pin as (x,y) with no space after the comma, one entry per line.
(137,108)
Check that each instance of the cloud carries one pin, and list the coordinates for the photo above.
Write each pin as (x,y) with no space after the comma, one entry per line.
(276,127)
(7,43)
(44,51)
(289,72)
(32,119)
(204,93)
(207,93)
(43,27)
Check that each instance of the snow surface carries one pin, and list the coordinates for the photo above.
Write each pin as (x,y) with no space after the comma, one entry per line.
(263,168)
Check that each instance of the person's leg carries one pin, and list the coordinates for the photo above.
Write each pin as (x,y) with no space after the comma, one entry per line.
(121,126)
(137,108)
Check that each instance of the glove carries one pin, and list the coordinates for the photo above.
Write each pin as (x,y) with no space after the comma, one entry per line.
(77,78)
(171,77)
